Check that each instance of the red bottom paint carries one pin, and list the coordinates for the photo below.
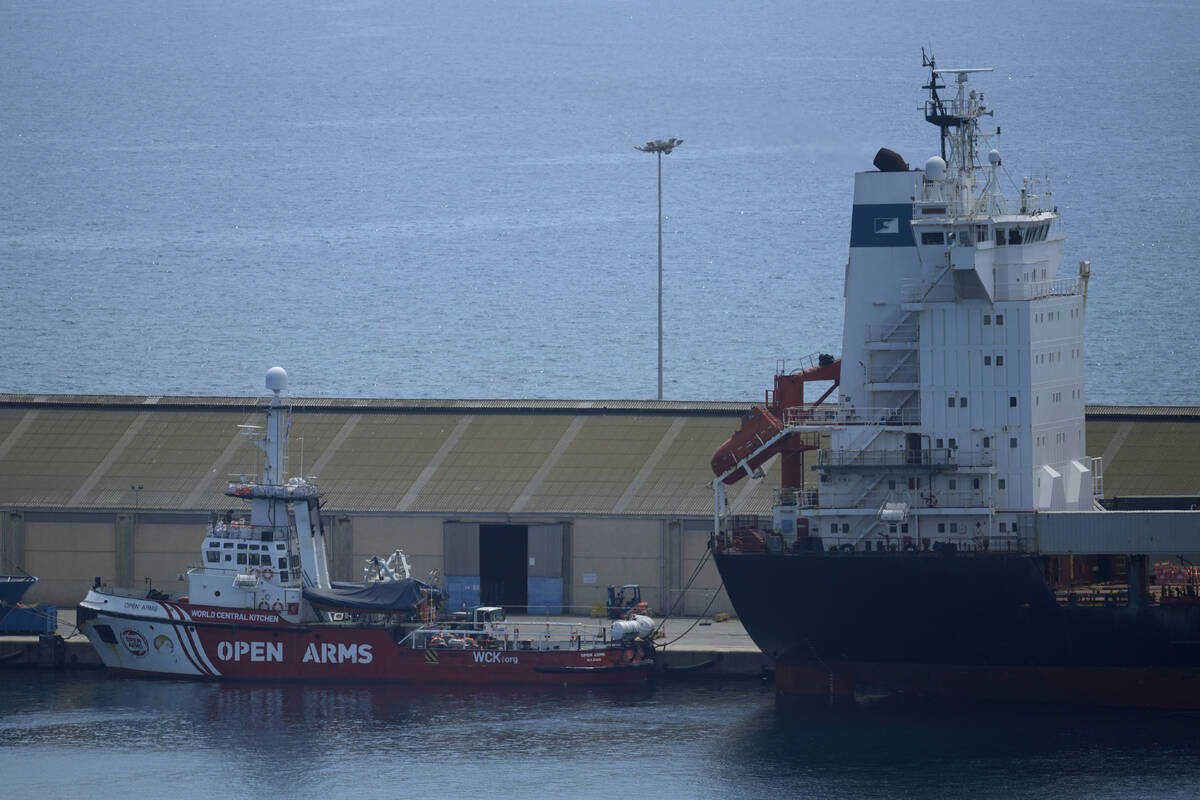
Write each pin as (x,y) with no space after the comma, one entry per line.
(808,682)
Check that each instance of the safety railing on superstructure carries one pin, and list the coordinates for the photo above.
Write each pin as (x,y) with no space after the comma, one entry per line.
(762,540)
(806,497)
(914,291)
(1034,290)
(826,414)
(507,635)
(803,363)
(941,457)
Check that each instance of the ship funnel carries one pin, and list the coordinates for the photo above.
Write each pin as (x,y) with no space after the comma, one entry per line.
(889,161)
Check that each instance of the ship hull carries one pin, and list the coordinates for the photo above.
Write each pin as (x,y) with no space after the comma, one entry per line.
(967,626)
(154,638)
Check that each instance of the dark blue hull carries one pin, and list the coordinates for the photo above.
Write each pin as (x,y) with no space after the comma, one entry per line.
(12,589)
(912,621)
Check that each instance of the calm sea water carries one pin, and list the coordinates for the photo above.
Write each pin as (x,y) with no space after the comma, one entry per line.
(92,736)
(443,199)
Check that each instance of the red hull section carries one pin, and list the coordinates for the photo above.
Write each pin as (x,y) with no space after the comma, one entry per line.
(836,682)
(262,646)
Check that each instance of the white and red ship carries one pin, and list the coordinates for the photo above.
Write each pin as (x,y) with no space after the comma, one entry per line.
(262,607)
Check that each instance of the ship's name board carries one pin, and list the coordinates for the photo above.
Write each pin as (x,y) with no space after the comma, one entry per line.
(234,616)
(322,653)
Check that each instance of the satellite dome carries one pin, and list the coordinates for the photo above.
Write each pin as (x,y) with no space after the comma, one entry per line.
(276,379)
(935,168)
(994,157)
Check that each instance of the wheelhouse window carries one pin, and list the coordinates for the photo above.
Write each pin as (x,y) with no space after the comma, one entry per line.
(1014,235)
(933,237)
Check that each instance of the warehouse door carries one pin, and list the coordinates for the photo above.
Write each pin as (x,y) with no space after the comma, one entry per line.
(504,567)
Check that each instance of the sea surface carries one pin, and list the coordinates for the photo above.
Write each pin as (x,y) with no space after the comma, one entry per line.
(88,735)
(444,199)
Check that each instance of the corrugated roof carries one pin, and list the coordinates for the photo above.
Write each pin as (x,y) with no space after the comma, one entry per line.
(485,457)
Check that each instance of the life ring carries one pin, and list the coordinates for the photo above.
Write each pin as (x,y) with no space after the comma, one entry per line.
(276,606)
(254,571)
(931,501)
(264,605)
(268,573)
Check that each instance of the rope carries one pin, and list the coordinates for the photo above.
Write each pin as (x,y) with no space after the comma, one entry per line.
(682,593)
(33,610)
(696,622)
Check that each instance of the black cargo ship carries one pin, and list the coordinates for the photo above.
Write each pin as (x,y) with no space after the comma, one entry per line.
(949,541)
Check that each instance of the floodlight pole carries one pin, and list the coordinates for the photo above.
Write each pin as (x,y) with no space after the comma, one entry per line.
(658,147)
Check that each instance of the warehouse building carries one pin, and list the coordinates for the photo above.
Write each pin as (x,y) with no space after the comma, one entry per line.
(537,504)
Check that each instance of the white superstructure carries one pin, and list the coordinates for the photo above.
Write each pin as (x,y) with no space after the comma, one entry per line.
(264,560)
(961,391)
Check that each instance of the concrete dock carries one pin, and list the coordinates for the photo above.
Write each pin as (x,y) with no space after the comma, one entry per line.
(690,647)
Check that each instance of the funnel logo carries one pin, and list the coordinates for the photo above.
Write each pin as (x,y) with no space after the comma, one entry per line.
(134,642)
(887,224)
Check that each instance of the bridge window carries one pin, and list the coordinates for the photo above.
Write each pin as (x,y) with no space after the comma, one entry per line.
(212,557)
(932,237)
(1014,235)
(1000,240)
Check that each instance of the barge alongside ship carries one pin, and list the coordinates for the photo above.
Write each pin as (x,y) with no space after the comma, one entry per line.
(262,607)
(953,544)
